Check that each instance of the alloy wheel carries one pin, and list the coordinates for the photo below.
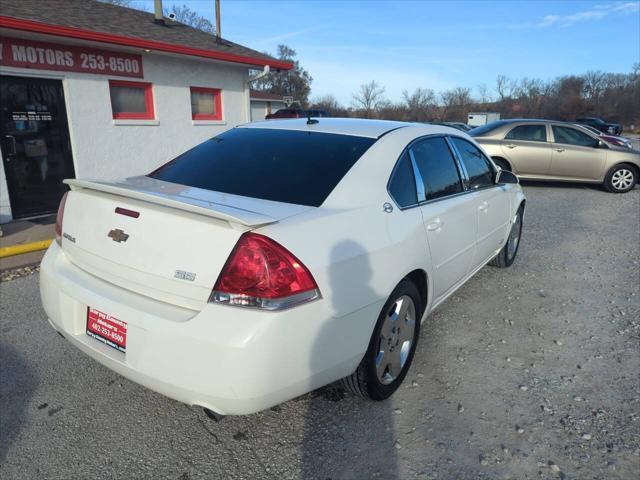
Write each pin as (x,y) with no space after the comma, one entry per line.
(622,179)
(396,339)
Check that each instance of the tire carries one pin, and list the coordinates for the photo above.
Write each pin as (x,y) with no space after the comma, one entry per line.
(389,356)
(508,252)
(621,178)
(502,163)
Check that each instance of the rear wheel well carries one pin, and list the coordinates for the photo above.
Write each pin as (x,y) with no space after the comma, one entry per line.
(419,279)
(630,165)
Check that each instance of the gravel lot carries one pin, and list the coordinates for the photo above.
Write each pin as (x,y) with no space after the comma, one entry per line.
(530,372)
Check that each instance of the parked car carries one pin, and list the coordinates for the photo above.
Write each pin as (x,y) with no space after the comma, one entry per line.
(612,139)
(604,127)
(236,292)
(463,127)
(550,150)
(296,113)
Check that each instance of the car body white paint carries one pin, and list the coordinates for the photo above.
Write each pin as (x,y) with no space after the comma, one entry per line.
(236,360)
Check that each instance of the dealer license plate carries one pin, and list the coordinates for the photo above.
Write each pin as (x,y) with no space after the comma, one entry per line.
(107,329)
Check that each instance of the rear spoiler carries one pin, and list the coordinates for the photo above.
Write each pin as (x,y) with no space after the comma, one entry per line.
(178,201)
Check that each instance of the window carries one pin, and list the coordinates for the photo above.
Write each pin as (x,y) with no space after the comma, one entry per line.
(571,136)
(131,100)
(437,168)
(534,133)
(206,103)
(282,165)
(478,167)
(486,129)
(402,185)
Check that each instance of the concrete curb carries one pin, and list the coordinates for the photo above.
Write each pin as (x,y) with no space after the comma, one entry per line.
(24,248)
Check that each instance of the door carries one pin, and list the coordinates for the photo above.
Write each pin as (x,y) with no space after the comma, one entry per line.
(490,201)
(449,217)
(527,149)
(576,155)
(35,143)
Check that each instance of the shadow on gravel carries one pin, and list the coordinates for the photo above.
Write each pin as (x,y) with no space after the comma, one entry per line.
(17,383)
(555,184)
(345,437)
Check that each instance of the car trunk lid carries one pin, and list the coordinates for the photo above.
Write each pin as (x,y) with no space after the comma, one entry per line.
(159,239)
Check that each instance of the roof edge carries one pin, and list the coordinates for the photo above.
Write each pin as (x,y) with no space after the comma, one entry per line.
(82,34)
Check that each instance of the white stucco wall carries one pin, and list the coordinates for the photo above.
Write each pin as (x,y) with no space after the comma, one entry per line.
(105,148)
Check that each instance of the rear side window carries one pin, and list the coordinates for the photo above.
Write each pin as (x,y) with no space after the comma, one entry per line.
(402,185)
(534,133)
(571,136)
(478,167)
(281,165)
(437,168)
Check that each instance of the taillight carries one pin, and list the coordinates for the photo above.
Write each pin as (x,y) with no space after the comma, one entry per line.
(261,273)
(60,217)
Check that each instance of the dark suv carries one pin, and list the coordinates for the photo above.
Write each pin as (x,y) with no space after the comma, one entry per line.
(604,127)
(296,113)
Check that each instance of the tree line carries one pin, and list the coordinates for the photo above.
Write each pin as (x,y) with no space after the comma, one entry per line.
(612,96)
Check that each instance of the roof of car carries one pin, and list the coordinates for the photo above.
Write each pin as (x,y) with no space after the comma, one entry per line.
(346,126)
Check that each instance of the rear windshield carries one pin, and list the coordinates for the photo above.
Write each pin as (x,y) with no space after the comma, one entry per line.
(484,129)
(282,165)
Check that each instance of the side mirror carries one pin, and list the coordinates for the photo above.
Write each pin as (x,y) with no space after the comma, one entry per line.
(505,176)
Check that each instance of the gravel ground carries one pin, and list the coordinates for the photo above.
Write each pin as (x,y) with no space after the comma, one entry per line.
(529,372)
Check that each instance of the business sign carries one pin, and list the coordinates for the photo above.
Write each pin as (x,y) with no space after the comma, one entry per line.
(16,52)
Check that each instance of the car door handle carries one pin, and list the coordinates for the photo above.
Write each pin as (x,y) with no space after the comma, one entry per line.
(435,225)
(559,149)
(510,145)
(484,206)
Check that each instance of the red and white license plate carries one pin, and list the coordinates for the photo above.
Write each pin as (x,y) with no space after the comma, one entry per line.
(107,329)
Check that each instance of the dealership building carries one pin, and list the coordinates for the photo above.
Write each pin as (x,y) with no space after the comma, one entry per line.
(93,90)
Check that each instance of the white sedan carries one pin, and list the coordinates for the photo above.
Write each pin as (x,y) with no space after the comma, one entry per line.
(278,257)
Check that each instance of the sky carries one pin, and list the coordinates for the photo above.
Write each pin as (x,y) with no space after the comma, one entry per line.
(433,44)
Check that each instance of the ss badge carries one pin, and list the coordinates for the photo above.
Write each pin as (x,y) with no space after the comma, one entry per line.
(182,275)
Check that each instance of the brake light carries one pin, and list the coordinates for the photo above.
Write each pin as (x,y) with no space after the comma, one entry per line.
(60,217)
(261,273)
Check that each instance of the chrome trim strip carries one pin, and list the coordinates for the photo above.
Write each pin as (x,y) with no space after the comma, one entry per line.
(462,170)
(422,196)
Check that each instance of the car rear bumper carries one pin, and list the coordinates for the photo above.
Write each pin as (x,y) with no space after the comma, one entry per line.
(227,359)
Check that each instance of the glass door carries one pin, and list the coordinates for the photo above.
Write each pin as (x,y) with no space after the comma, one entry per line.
(34,139)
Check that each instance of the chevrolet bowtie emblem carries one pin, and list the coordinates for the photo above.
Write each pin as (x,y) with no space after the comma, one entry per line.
(118,235)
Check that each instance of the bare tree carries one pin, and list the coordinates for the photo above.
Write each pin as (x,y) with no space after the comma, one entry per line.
(456,103)
(295,82)
(483,93)
(190,17)
(504,88)
(419,105)
(369,98)
(330,104)
(119,3)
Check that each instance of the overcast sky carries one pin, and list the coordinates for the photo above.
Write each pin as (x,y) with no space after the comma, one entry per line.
(434,44)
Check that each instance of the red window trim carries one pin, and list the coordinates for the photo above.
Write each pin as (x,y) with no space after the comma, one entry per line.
(148,100)
(217,95)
